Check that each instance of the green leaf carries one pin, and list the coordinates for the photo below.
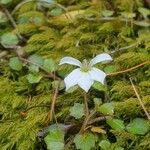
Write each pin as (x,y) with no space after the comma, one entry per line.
(110,69)
(60,83)
(106,109)
(105,144)
(77,110)
(119,148)
(85,141)
(56,12)
(36,59)
(15,64)
(33,78)
(116,124)
(49,65)
(5,1)
(3,18)
(98,86)
(33,68)
(138,126)
(72,89)
(55,138)
(9,39)
(107,13)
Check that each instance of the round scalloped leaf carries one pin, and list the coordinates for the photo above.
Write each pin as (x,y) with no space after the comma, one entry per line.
(56,12)
(77,110)
(116,124)
(55,138)
(106,109)
(15,64)
(9,39)
(5,1)
(49,65)
(36,60)
(105,144)
(33,78)
(138,126)
(3,18)
(98,86)
(85,141)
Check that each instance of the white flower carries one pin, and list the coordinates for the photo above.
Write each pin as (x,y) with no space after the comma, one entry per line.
(86,74)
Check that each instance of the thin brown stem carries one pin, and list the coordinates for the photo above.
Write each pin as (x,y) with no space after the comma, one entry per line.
(140,100)
(86,120)
(52,107)
(12,22)
(86,104)
(130,69)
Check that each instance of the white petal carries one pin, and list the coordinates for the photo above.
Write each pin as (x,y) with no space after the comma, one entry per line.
(71,61)
(97,75)
(72,78)
(100,58)
(85,81)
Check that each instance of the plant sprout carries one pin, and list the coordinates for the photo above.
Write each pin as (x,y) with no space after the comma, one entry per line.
(86,74)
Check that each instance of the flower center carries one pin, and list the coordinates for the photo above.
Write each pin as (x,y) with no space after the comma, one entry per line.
(85,66)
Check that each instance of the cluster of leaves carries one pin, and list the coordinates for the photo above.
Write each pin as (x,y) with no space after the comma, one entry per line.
(34,35)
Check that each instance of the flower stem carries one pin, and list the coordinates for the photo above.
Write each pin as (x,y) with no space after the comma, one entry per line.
(86,104)
(86,112)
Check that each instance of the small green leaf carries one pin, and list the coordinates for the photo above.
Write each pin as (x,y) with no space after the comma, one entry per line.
(15,64)
(138,126)
(107,13)
(55,138)
(33,68)
(36,60)
(77,110)
(60,83)
(72,89)
(3,18)
(110,69)
(98,86)
(33,78)
(56,12)
(106,109)
(105,144)
(85,141)
(116,124)
(9,39)
(5,1)
(119,148)
(49,65)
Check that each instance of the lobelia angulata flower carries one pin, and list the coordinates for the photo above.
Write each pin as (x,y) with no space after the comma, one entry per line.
(85,75)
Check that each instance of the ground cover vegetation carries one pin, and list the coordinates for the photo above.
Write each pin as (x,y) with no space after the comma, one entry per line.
(36,112)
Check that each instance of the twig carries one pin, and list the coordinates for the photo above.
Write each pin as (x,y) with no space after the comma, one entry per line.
(52,107)
(130,69)
(101,118)
(123,48)
(140,100)
(12,22)
(86,120)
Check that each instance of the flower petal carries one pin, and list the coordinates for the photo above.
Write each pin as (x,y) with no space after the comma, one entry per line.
(85,81)
(71,61)
(97,75)
(100,58)
(72,78)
